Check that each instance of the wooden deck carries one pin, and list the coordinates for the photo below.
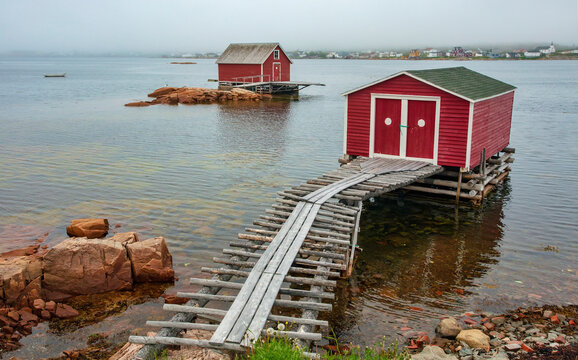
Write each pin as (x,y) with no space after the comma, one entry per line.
(307,239)
(271,87)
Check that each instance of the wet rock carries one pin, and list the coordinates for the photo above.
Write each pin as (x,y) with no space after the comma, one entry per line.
(50,306)
(28,317)
(151,260)
(488,325)
(45,315)
(19,278)
(173,299)
(547,314)
(81,266)
(89,228)
(498,320)
(448,328)
(475,339)
(64,311)
(38,304)
(14,315)
(138,104)
(433,353)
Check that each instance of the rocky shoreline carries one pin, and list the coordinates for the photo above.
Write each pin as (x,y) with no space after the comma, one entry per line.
(547,332)
(35,281)
(193,95)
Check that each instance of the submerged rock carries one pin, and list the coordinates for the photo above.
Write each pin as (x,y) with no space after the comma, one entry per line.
(89,228)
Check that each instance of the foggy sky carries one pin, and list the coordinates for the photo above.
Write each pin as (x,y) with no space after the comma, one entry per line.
(210,25)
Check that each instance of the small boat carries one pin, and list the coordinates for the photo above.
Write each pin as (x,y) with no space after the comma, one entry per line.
(55,75)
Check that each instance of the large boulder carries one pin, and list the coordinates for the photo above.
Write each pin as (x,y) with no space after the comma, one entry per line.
(80,266)
(448,328)
(433,353)
(20,279)
(475,339)
(89,228)
(151,260)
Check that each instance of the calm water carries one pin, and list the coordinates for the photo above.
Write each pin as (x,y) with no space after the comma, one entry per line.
(198,174)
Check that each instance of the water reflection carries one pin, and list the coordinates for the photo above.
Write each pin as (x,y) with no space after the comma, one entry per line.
(420,260)
(250,125)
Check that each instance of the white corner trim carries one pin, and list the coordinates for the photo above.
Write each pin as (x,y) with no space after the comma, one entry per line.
(345,127)
(470,130)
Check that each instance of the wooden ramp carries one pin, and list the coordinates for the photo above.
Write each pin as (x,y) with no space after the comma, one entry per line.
(305,241)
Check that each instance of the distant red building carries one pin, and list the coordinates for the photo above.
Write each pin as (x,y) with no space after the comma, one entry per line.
(443,116)
(243,63)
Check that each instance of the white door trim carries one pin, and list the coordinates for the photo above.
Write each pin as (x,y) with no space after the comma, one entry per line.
(273,71)
(403,139)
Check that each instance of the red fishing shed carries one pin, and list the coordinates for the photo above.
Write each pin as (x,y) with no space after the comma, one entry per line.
(443,116)
(256,62)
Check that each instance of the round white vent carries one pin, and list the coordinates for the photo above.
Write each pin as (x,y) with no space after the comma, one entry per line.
(388,121)
(421,123)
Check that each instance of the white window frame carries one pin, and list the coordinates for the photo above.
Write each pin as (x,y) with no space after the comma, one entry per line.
(276,55)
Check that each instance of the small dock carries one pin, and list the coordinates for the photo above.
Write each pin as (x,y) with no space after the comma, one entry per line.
(262,85)
(289,258)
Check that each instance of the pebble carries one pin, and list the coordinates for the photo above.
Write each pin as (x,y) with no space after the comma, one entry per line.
(513,347)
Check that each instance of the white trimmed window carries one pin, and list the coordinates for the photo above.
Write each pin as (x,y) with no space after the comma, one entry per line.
(276,55)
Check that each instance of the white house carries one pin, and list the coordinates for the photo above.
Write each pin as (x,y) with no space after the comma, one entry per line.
(532,54)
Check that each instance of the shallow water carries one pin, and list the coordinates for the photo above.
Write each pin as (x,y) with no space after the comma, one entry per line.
(198,174)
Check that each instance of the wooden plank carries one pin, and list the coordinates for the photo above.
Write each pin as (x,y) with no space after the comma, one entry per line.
(251,305)
(211,297)
(215,283)
(151,340)
(193,309)
(295,320)
(182,325)
(259,316)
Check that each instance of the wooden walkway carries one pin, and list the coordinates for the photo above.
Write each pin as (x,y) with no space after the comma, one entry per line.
(307,239)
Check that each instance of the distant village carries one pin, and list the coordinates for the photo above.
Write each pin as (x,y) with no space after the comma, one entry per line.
(427,53)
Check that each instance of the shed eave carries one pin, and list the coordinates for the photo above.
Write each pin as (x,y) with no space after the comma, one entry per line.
(425,82)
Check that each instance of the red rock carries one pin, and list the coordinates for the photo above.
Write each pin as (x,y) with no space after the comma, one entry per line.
(26,309)
(470,321)
(10,346)
(422,340)
(561,339)
(7,329)
(173,299)
(15,337)
(489,325)
(14,315)
(151,260)
(412,345)
(39,304)
(470,314)
(138,104)
(498,320)
(526,348)
(497,334)
(5,321)
(50,306)
(571,322)
(439,293)
(89,228)
(414,308)
(405,328)
(554,319)
(460,291)
(28,317)
(81,266)
(45,314)
(20,279)
(64,311)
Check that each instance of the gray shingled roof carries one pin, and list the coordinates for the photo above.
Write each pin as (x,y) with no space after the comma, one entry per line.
(460,81)
(255,53)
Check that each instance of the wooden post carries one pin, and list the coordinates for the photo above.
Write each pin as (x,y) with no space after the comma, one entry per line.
(354,241)
(459,185)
